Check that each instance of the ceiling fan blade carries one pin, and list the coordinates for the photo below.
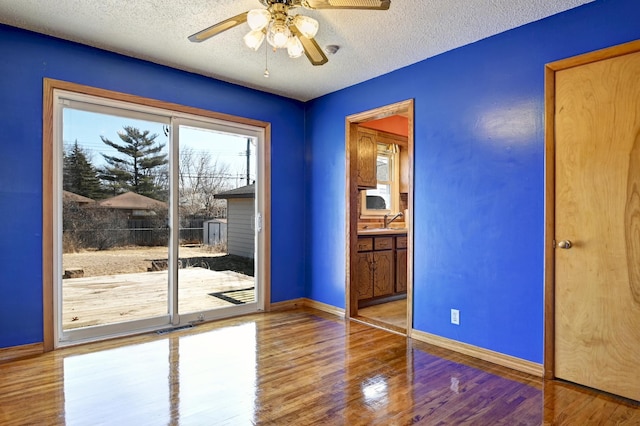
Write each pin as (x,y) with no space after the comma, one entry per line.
(219,27)
(311,49)
(347,4)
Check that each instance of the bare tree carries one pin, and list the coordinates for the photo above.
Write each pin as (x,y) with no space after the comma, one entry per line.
(200,178)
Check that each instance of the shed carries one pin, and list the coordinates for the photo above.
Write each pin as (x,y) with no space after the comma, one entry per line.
(214,232)
(240,220)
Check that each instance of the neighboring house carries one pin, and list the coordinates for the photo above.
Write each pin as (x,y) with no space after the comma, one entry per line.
(135,205)
(240,220)
(146,218)
(79,199)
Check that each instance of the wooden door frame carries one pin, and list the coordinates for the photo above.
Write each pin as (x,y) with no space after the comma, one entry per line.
(48,227)
(550,164)
(351,249)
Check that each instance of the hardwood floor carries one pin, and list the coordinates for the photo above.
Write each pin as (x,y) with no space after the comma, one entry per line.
(391,315)
(300,367)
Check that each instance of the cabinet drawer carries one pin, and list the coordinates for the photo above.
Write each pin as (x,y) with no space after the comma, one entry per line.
(383,243)
(365,244)
(401,242)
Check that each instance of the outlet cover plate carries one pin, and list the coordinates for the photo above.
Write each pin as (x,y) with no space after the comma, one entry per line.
(455,316)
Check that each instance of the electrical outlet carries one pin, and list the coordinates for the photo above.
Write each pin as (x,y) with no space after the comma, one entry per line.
(455,316)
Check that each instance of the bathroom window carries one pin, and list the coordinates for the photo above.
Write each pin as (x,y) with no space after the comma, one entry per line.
(384,199)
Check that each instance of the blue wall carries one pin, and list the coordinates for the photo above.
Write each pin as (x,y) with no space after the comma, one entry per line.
(479,183)
(479,176)
(27,58)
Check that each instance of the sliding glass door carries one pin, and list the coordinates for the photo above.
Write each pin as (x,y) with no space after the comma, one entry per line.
(156,218)
(216,214)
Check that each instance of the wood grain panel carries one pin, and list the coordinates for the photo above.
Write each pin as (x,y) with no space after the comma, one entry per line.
(383,243)
(401,242)
(383,282)
(632,221)
(367,155)
(550,224)
(365,244)
(364,275)
(597,317)
(401,271)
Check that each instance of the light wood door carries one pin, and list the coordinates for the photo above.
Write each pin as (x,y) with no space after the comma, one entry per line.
(597,279)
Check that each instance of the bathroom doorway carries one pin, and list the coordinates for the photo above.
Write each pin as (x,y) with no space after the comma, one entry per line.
(379,207)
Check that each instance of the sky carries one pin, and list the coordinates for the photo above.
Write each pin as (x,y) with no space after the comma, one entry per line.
(87,127)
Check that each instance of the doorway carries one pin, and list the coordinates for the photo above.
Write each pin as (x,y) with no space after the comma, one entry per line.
(379,187)
(135,183)
(593,220)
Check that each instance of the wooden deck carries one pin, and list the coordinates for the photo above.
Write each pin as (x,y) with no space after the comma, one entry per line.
(126,297)
(300,367)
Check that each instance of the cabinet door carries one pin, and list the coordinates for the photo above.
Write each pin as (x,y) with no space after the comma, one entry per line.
(383,267)
(401,271)
(364,276)
(367,156)
(405,183)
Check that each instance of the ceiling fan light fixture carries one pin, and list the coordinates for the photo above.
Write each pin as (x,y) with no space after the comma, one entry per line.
(258,19)
(254,39)
(294,47)
(278,34)
(307,26)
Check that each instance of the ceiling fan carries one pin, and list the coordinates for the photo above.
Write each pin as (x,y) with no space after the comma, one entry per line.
(283,29)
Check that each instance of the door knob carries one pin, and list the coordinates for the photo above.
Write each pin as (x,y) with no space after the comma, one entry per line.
(564,244)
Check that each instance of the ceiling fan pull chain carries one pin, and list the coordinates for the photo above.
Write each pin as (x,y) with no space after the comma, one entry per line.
(266,63)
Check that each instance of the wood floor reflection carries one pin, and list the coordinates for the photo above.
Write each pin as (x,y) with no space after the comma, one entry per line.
(301,367)
(390,315)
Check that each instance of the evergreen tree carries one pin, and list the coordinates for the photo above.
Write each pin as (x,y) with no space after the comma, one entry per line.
(79,175)
(138,169)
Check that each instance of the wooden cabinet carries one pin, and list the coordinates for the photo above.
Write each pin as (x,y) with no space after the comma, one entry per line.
(368,140)
(381,267)
(401,264)
(405,182)
(364,276)
(367,157)
(401,271)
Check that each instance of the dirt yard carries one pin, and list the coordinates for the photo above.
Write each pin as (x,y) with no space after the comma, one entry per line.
(139,259)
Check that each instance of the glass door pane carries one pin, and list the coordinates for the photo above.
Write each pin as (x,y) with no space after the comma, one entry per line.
(114,218)
(216,209)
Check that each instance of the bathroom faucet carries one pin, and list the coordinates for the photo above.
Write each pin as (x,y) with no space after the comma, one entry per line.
(388,221)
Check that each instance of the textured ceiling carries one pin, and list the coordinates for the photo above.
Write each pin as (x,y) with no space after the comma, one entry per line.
(371,43)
